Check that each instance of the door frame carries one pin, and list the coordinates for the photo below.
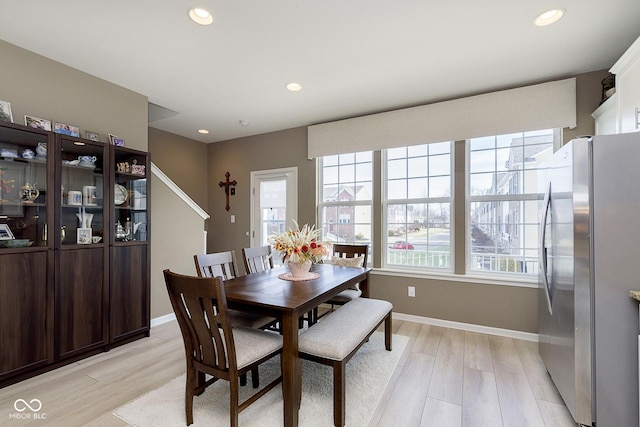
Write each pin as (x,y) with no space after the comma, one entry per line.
(290,174)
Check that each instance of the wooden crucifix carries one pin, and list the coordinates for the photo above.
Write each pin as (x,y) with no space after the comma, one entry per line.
(226,186)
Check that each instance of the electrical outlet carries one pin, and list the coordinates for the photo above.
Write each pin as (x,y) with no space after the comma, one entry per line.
(412,291)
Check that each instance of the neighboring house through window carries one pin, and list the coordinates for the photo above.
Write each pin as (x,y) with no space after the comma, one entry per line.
(346,189)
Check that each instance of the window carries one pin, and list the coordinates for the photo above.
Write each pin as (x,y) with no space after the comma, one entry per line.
(500,196)
(345,208)
(418,200)
(504,200)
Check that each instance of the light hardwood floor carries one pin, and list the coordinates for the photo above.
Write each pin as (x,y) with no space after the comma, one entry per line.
(446,378)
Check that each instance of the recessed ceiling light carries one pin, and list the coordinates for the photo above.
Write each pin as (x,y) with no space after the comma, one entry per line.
(200,16)
(548,17)
(294,87)
(203,131)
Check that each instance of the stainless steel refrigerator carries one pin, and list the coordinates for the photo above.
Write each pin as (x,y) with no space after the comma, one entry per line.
(590,260)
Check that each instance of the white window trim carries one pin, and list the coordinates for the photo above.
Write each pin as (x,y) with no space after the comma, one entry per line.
(384,215)
(320,204)
(511,277)
(519,282)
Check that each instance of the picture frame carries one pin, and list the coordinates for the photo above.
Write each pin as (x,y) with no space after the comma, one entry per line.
(37,123)
(5,232)
(91,135)
(65,129)
(5,112)
(84,236)
(118,142)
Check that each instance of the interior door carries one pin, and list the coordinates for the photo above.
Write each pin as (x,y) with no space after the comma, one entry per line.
(274,204)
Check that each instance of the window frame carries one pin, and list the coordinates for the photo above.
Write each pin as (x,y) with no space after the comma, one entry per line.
(461,244)
(500,198)
(321,204)
(386,202)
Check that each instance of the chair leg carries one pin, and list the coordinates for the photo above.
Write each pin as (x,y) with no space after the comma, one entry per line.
(387,332)
(339,381)
(200,380)
(234,403)
(243,379)
(188,394)
(255,380)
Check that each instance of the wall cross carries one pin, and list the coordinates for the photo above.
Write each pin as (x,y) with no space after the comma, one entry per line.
(226,186)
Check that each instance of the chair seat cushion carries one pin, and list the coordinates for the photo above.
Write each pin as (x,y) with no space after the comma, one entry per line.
(338,333)
(345,296)
(253,344)
(242,318)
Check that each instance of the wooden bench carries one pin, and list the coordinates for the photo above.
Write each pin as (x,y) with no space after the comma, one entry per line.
(335,339)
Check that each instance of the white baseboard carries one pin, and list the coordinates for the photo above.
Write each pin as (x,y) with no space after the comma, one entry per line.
(509,333)
(163,319)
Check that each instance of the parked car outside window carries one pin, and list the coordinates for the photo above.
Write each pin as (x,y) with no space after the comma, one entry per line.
(402,245)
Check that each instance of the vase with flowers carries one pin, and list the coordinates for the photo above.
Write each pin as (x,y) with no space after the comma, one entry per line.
(300,248)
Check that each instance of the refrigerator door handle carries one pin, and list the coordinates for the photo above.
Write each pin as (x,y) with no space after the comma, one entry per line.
(546,205)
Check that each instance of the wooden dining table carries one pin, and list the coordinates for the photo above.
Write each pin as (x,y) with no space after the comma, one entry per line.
(266,294)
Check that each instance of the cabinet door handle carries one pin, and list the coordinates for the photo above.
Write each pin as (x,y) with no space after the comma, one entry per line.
(637,117)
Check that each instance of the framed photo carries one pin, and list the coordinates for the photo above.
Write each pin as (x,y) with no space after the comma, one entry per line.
(5,112)
(66,129)
(5,232)
(84,236)
(91,136)
(116,141)
(37,123)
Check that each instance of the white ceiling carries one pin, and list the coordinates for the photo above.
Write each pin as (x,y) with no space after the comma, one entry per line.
(352,57)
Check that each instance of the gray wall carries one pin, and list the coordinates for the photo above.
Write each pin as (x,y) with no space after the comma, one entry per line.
(183,160)
(242,156)
(37,86)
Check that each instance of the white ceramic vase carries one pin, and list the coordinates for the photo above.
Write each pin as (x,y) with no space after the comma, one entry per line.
(299,270)
(85,219)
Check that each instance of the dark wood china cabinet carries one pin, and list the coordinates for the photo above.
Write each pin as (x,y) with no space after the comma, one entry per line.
(74,249)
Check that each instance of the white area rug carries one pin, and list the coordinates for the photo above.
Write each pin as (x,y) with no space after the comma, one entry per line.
(368,373)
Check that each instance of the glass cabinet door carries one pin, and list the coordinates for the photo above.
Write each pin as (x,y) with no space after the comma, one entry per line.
(130,195)
(23,187)
(82,188)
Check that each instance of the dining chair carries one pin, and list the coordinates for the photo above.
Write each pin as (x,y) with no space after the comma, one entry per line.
(225,266)
(212,346)
(257,259)
(346,256)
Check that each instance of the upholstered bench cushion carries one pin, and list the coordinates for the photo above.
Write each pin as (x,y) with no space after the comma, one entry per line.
(337,334)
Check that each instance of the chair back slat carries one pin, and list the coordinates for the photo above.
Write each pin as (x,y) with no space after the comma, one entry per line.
(351,251)
(219,264)
(257,259)
(201,311)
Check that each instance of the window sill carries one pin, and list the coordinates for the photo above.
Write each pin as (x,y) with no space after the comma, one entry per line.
(467,278)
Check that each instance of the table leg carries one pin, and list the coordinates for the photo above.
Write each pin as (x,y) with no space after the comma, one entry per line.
(364,287)
(291,370)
